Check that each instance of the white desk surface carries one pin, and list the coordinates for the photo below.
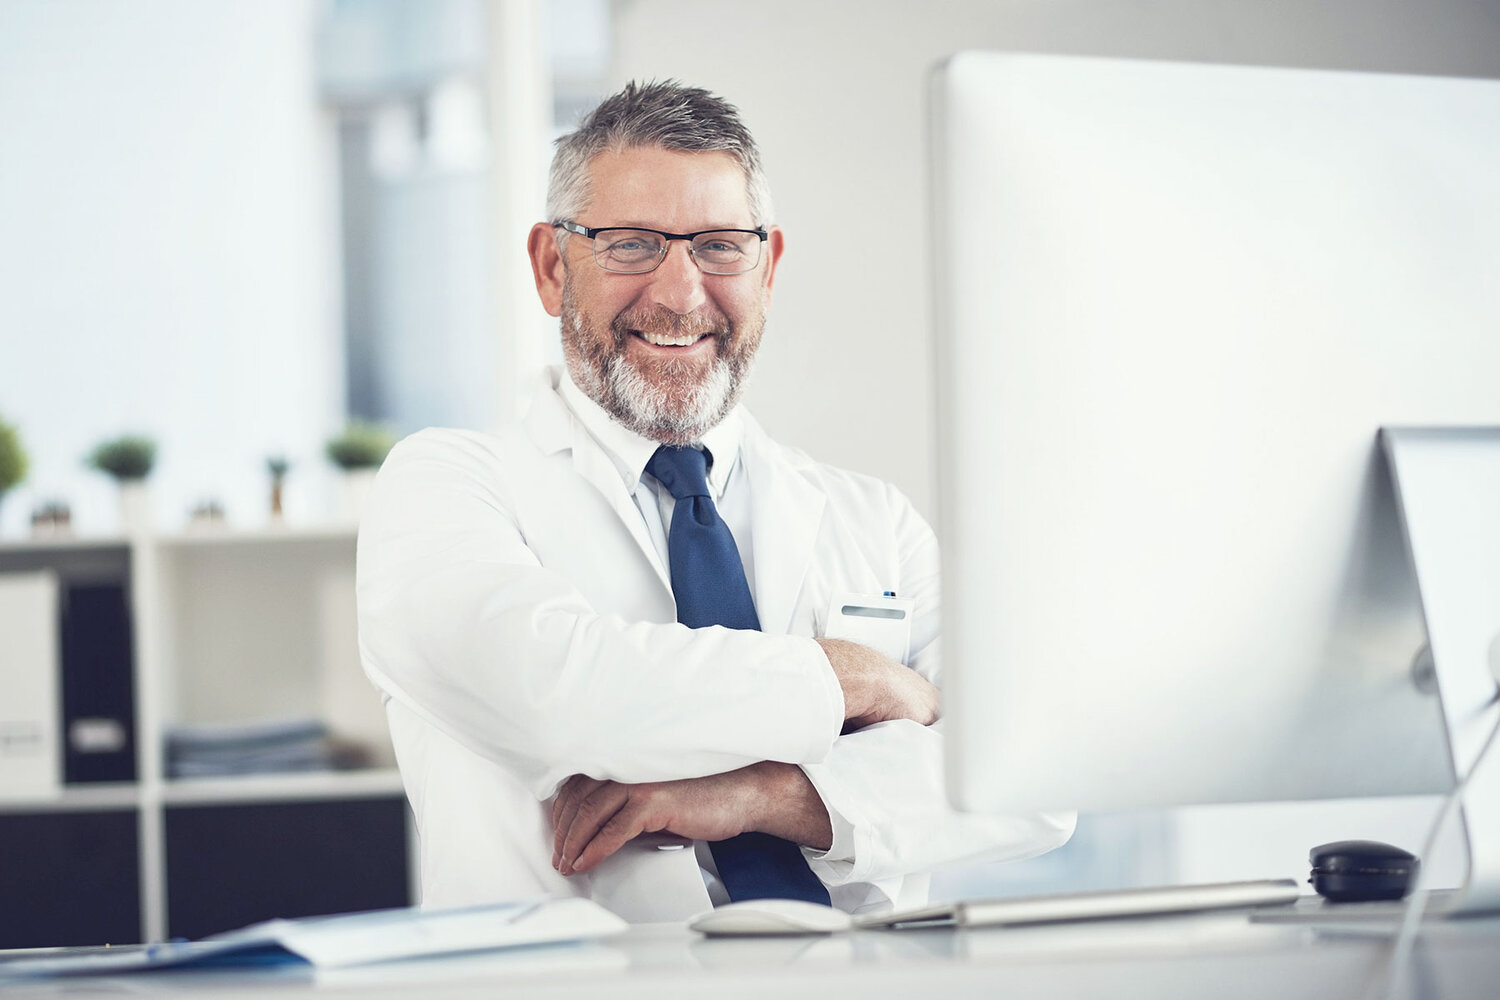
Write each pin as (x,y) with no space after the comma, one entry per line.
(1219,956)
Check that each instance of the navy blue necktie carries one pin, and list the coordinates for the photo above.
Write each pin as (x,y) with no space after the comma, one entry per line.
(708,581)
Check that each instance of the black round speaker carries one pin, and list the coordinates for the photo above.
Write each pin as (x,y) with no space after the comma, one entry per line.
(1357,870)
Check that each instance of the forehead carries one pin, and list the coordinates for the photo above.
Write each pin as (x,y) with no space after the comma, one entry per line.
(667,189)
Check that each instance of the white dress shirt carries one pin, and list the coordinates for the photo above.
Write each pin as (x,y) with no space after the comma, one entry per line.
(728,486)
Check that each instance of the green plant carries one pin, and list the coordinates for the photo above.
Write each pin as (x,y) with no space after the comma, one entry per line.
(13,463)
(125,458)
(277,466)
(360,446)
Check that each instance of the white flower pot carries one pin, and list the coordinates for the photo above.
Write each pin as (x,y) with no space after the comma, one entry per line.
(354,491)
(135,507)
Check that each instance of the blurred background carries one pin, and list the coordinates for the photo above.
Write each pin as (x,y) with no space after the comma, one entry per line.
(234,226)
(231,225)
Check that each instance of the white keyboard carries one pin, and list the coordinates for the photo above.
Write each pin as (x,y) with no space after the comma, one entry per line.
(1439,905)
(1094,905)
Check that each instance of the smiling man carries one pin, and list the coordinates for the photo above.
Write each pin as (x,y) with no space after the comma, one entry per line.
(676,351)
(599,632)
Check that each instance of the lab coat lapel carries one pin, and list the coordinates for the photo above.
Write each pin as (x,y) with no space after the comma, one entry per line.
(787,513)
(553,427)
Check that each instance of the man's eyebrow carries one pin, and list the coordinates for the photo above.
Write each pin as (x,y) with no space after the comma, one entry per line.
(659,229)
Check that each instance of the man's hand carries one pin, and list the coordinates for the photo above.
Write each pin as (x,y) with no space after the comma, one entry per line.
(593,819)
(877,688)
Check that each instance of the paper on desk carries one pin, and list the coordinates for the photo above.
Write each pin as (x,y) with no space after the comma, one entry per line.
(351,939)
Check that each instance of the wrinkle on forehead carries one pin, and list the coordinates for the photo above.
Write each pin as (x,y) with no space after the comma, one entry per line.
(679,192)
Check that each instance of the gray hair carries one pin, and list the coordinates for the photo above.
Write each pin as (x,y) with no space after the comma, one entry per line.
(663,115)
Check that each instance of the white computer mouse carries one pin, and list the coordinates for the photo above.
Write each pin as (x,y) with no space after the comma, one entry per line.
(770,916)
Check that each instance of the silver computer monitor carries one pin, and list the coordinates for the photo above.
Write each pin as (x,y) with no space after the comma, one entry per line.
(1175,304)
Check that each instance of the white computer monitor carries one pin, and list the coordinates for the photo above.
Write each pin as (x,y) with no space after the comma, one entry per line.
(1175,303)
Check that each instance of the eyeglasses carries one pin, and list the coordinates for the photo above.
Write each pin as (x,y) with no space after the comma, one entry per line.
(638,251)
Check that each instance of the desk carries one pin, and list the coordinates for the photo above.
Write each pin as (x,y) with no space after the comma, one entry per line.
(1201,956)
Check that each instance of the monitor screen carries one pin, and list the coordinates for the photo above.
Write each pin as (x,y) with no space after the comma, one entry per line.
(1175,303)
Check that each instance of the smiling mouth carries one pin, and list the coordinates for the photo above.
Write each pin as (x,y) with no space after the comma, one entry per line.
(670,340)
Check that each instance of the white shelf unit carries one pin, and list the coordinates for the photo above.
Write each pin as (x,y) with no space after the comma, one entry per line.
(229,627)
(283,787)
(238,627)
(97,795)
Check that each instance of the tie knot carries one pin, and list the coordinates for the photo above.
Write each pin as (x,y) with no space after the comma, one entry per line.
(683,471)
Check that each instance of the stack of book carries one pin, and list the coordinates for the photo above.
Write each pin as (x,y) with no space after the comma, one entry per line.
(275,747)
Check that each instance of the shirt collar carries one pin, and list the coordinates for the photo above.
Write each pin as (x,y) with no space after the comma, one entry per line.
(629,451)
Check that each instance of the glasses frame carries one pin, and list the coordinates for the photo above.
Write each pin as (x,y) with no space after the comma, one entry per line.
(574,227)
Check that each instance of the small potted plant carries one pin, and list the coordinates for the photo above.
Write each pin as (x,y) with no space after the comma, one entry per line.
(13,462)
(206,515)
(128,460)
(52,519)
(277,466)
(358,451)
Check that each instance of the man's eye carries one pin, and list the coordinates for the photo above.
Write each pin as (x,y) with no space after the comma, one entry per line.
(717,246)
(631,246)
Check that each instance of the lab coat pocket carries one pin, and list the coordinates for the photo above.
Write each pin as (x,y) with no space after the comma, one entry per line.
(881,622)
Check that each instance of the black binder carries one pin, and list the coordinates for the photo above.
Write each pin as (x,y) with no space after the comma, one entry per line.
(98,686)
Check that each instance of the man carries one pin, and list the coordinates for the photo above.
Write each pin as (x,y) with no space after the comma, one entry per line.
(596,631)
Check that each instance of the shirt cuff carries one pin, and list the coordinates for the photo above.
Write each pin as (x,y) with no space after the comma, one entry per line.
(833,693)
(839,858)
(804,658)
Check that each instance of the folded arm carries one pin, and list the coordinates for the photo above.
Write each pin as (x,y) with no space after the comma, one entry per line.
(873,809)
(592,819)
(460,620)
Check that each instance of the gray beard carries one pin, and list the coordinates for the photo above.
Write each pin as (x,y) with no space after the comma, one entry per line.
(671,418)
(676,409)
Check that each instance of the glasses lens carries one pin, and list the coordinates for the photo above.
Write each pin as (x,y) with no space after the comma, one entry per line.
(628,251)
(727,251)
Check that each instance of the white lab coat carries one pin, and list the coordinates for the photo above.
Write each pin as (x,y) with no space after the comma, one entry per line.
(516,615)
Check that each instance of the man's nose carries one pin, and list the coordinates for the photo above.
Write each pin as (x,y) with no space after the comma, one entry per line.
(677,284)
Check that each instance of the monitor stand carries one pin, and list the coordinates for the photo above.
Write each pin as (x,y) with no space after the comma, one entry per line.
(1447,486)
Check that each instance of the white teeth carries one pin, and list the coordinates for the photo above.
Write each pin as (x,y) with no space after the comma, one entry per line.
(662,341)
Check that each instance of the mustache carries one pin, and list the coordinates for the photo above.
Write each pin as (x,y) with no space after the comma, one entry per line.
(663,321)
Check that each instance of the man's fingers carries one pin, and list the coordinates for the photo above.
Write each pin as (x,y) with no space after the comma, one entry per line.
(621,828)
(564,804)
(569,797)
(925,701)
(877,688)
(593,811)
(560,798)
(905,694)
(912,696)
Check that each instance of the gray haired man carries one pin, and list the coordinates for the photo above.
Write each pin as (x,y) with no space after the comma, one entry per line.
(598,631)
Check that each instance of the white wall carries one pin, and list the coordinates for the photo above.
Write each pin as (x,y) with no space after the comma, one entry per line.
(835,93)
(167,255)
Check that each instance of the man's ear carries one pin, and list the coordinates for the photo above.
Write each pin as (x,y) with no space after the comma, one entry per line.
(775,244)
(546,267)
